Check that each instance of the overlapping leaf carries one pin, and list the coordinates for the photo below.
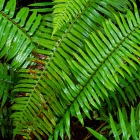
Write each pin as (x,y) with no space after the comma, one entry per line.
(66,11)
(126,129)
(16,32)
(49,91)
(96,69)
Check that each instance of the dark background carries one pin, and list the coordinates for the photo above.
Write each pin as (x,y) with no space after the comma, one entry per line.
(23,3)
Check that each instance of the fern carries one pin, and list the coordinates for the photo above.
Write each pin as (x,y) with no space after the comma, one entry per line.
(127,130)
(75,77)
(66,11)
(82,57)
(16,33)
(125,89)
(94,71)
(42,4)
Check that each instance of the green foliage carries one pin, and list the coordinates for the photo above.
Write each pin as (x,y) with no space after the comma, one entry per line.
(40,5)
(6,85)
(128,126)
(82,57)
(96,134)
(66,11)
(69,10)
(16,32)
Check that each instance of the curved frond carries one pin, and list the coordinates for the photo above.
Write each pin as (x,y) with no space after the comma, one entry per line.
(98,66)
(16,32)
(66,11)
(65,75)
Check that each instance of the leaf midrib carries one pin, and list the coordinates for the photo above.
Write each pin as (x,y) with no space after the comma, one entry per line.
(92,75)
(16,25)
(51,58)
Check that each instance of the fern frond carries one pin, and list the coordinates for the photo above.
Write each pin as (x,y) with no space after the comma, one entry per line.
(41,95)
(126,129)
(66,11)
(122,127)
(16,32)
(92,67)
(51,88)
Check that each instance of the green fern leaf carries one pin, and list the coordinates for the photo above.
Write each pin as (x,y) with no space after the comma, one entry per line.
(96,134)
(45,8)
(58,85)
(128,129)
(96,75)
(16,32)
(66,11)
